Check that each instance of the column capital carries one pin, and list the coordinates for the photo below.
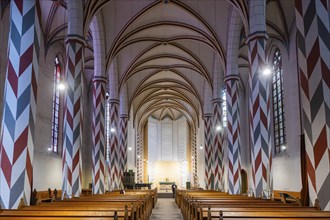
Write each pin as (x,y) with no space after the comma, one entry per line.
(101,79)
(75,38)
(231,77)
(123,116)
(216,100)
(256,36)
(113,101)
(206,115)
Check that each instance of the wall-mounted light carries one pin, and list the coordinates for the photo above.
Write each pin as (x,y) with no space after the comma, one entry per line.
(266,71)
(129,148)
(192,157)
(201,147)
(218,128)
(283,148)
(49,149)
(61,86)
(138,156)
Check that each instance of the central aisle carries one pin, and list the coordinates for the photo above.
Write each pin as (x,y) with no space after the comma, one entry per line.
(166,209)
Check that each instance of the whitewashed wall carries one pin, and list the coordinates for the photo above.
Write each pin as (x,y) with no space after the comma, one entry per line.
(47,167)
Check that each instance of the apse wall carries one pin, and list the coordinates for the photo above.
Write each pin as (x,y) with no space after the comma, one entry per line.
(168,142)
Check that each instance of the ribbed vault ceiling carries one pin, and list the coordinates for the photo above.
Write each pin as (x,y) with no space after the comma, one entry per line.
(164,53)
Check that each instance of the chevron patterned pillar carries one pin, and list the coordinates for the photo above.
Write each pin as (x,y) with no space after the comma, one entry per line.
(139,156)
(98,130)
(208,149)
(73,117)
(259,115)
(313,34)
(19,114)
(217,145)
(194,158)
(114,145)
(234,152)
(122,145)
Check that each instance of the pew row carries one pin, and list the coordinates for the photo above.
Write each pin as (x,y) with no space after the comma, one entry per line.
(198,205)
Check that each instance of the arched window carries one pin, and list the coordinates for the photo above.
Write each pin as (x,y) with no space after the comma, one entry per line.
(56,106)
(224,107)
(278,104)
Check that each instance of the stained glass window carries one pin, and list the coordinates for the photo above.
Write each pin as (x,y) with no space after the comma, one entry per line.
(278,104)
(56,107)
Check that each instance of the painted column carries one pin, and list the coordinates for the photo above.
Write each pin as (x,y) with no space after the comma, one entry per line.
(114,145)
(313,34)
(139,156)
(208,150)
(259,102)
(20,99)
(217,144)
(123,144)
(233,127)
(123,123)
(98,130)
(194,158)
(73,118)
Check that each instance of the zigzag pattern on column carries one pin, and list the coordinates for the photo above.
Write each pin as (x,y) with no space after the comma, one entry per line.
(208,150)
(217,145)
(72,138)
(122,145)
(114,145)
(19,115)
(259,115)
(314,71)
(234,152)
(194,159)
(139,157)
(98,149)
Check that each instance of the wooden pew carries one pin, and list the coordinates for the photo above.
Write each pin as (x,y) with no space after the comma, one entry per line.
(132,205)
(198,205)
(287,196)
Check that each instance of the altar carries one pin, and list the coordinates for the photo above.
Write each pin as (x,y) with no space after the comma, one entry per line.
(166,185)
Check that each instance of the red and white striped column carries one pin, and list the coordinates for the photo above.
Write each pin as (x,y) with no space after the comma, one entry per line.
(217,145)
(98,134)
(20,98)
(259,105)
(208,150)
(122,145)
(194,158)
(233,127)
(114,145)
(259,102)
(73,117)
(139,156)
(313,34)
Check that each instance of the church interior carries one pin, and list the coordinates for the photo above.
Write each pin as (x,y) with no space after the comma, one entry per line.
(223,96)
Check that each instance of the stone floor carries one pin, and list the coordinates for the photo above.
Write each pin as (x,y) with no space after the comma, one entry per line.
(166,209)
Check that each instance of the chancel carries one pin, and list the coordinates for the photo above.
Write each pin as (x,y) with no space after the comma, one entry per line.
(119,101)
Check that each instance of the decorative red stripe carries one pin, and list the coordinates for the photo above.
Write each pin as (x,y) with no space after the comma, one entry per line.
(6,167)
(311,172)
(26,60)
(75,161)
(313,57)
(20,144)
(12,78)
(29,168)
(320,147)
